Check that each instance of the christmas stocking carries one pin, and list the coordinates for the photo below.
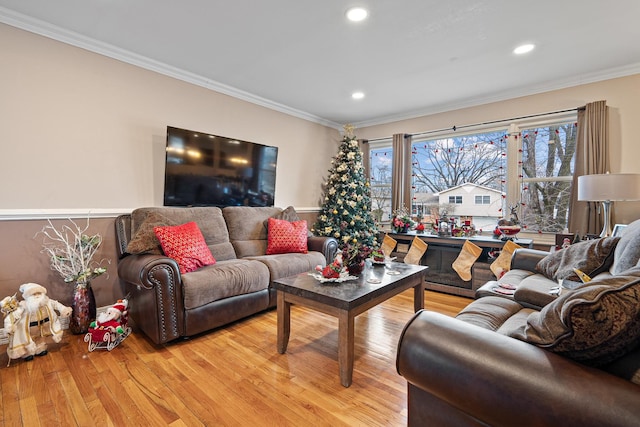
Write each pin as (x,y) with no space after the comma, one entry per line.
(388,245)
(418,248)
(502,264)
(468,255)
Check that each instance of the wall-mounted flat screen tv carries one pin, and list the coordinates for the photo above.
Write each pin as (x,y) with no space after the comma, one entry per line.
(211,170)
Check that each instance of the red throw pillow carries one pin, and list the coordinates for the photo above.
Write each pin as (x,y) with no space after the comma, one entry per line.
(286,237)
(186,245)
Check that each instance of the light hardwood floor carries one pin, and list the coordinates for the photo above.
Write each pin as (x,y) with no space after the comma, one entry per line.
(232,376)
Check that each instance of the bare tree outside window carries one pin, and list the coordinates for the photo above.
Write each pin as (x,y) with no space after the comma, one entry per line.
(548,156)
(441,164)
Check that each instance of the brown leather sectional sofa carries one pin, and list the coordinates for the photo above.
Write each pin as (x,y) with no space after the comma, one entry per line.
(167,305)
(533,358)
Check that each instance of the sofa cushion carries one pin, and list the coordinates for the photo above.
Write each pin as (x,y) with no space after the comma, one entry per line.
(209,219)
(246,228)
(285,265)
(489,312)
(590,256)
(144,240)
(185,244)
(286,237)
(223,280)
(594,324)
(627,254)
(533,291)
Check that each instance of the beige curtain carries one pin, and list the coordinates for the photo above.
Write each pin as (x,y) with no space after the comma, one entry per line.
(401,172)
(592,157)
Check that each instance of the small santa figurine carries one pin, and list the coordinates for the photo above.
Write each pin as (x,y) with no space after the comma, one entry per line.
(113,320)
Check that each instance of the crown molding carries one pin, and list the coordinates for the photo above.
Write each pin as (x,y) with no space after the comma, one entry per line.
(582,79)
(54,32)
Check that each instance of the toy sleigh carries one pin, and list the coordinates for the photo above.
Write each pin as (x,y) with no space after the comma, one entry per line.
(110,328)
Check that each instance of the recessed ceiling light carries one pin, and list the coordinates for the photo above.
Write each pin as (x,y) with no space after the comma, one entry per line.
(357,95)
(357,14)
(525,48)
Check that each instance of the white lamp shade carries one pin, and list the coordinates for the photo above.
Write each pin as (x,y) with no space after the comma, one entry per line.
(610,186)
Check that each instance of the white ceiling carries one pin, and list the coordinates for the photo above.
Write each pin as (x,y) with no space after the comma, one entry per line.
(411,57)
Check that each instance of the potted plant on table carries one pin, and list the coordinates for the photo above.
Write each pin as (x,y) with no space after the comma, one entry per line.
(71,251)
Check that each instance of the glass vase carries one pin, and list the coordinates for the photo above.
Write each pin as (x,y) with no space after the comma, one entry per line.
(83,308)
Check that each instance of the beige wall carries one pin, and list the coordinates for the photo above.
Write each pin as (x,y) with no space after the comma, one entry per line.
(80,130)
(621,94)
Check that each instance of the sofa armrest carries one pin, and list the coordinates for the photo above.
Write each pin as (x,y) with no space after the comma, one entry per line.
(155,287)
(328,246)
(526,259)
(502,381)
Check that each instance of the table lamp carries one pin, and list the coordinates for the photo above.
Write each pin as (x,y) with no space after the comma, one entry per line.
(607,188)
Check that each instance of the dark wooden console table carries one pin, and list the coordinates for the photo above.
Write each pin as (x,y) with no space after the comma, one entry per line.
(443,251)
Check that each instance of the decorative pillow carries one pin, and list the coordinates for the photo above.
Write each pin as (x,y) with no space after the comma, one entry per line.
(286,237)
(591,256)
(288,214)
(144,240)
(595,324)
(186,245)
(628,250)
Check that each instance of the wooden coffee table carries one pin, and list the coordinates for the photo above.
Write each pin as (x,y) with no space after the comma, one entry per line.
(345,301)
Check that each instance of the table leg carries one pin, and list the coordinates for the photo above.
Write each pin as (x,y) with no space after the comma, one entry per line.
(345,347)
(284,322)
(418,296)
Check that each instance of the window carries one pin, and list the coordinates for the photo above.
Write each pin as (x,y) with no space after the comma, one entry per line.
(547,166)
(474,162)
(519,169)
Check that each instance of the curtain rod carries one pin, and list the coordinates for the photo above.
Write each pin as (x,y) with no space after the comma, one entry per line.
(455,128)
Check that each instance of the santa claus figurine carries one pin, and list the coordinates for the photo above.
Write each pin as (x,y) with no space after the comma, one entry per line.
(33,322)
(112,321)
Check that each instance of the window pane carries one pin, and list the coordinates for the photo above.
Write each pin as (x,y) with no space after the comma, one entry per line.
(483,200)
(548,156)
(381,162)
(476,162)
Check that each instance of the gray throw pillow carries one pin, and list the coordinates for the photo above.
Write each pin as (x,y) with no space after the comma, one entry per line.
(592,257)
(627,254)
(144,240)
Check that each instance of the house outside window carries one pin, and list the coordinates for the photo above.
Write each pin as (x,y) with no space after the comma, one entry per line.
(455,200)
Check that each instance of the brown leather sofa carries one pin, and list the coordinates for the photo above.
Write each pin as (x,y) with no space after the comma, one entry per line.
(532,358)
(167,305)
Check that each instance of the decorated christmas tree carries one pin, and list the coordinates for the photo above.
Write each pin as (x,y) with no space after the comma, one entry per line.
(346,211)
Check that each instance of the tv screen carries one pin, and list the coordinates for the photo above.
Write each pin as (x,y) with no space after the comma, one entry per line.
(211,170)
